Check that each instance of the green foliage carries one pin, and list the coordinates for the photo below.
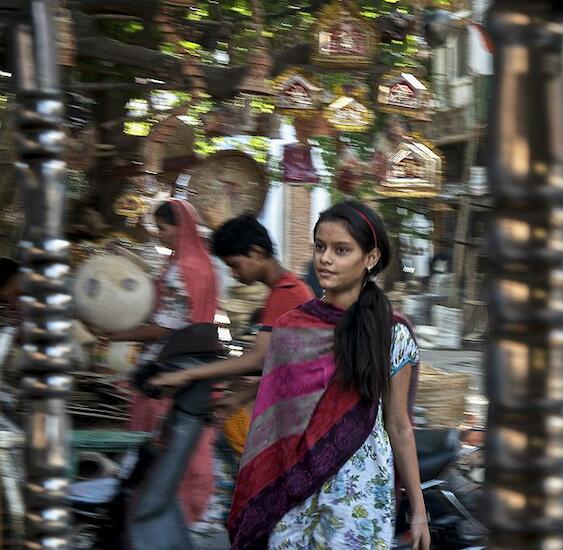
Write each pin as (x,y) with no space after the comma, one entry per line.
(286,23)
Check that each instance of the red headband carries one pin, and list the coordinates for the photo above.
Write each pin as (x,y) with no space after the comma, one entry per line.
(370,225)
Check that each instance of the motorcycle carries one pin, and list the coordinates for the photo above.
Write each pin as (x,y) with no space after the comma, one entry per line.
(451,477)
(451,481)
(101,507)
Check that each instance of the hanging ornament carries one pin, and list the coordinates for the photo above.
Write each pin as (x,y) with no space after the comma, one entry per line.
(437,27)
(403,93)
(350,171)
(220,121)
(342,38)
(256,88)
(169,148)
(298,164)
(395,25)
(414,169)
(257,78)
(297,92)
(191,69)
(348,112)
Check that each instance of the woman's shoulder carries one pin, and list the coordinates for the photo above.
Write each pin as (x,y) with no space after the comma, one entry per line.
(293,317)
(301,316)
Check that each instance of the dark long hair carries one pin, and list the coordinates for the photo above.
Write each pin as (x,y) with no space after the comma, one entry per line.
(363,334)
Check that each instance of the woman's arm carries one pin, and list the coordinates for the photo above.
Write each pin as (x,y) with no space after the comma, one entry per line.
(142,333)
(247,363)
(399,429)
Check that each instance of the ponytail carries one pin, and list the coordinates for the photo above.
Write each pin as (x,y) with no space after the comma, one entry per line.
(363,334)
(363,342)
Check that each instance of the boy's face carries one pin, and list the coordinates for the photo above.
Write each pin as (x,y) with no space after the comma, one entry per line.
(246,269)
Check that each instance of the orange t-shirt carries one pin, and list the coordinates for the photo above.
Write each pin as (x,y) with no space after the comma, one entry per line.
(288,293)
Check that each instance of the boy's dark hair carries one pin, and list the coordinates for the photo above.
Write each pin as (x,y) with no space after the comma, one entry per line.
(237,237)
(8,269)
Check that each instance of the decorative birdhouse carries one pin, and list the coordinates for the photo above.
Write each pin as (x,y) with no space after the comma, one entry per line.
(413,170)
(403,93)
(342,38)
(349,114)
(297,92)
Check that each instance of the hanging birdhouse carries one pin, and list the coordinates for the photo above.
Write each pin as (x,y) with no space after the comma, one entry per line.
(297,92)
(413,170)
(403,93)
(349,114)
(342,38)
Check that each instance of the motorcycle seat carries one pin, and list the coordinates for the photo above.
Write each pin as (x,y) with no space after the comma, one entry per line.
(436,448)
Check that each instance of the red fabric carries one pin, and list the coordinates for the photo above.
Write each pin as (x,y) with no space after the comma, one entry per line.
(196,269)
(265,468)
(485,37)
(194,263)
(289,292)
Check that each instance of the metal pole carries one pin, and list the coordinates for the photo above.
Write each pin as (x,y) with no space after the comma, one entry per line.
(46,301)
(525,353)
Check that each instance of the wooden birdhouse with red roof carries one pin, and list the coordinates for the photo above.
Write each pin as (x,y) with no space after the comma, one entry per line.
(403,93)
(342,38)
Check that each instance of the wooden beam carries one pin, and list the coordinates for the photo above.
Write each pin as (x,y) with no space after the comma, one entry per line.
(146,9)
(118,53)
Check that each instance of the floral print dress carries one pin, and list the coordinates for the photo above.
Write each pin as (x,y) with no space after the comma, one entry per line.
(355,509)
(172,311)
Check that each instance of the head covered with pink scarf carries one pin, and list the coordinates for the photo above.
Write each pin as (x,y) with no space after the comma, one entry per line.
(194,263)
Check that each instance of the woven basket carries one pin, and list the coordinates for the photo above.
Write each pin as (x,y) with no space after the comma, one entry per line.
(442,395)
(227,184)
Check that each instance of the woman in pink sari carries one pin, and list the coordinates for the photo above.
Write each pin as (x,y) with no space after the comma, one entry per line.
(186,294)
(331,421)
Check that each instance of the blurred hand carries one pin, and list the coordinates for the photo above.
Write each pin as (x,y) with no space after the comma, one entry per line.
(170,382)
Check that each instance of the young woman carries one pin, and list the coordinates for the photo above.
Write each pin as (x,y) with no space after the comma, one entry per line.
(331,418)
(186,294)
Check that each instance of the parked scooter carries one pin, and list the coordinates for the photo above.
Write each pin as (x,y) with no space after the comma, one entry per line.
(451,480)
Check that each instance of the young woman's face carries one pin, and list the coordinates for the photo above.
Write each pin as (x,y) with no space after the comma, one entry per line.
(339,260)
(166,233)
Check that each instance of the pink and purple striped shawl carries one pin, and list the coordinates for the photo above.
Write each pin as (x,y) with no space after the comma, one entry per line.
(304,425)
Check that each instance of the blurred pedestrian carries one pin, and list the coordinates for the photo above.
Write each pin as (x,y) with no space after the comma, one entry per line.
(186,294)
